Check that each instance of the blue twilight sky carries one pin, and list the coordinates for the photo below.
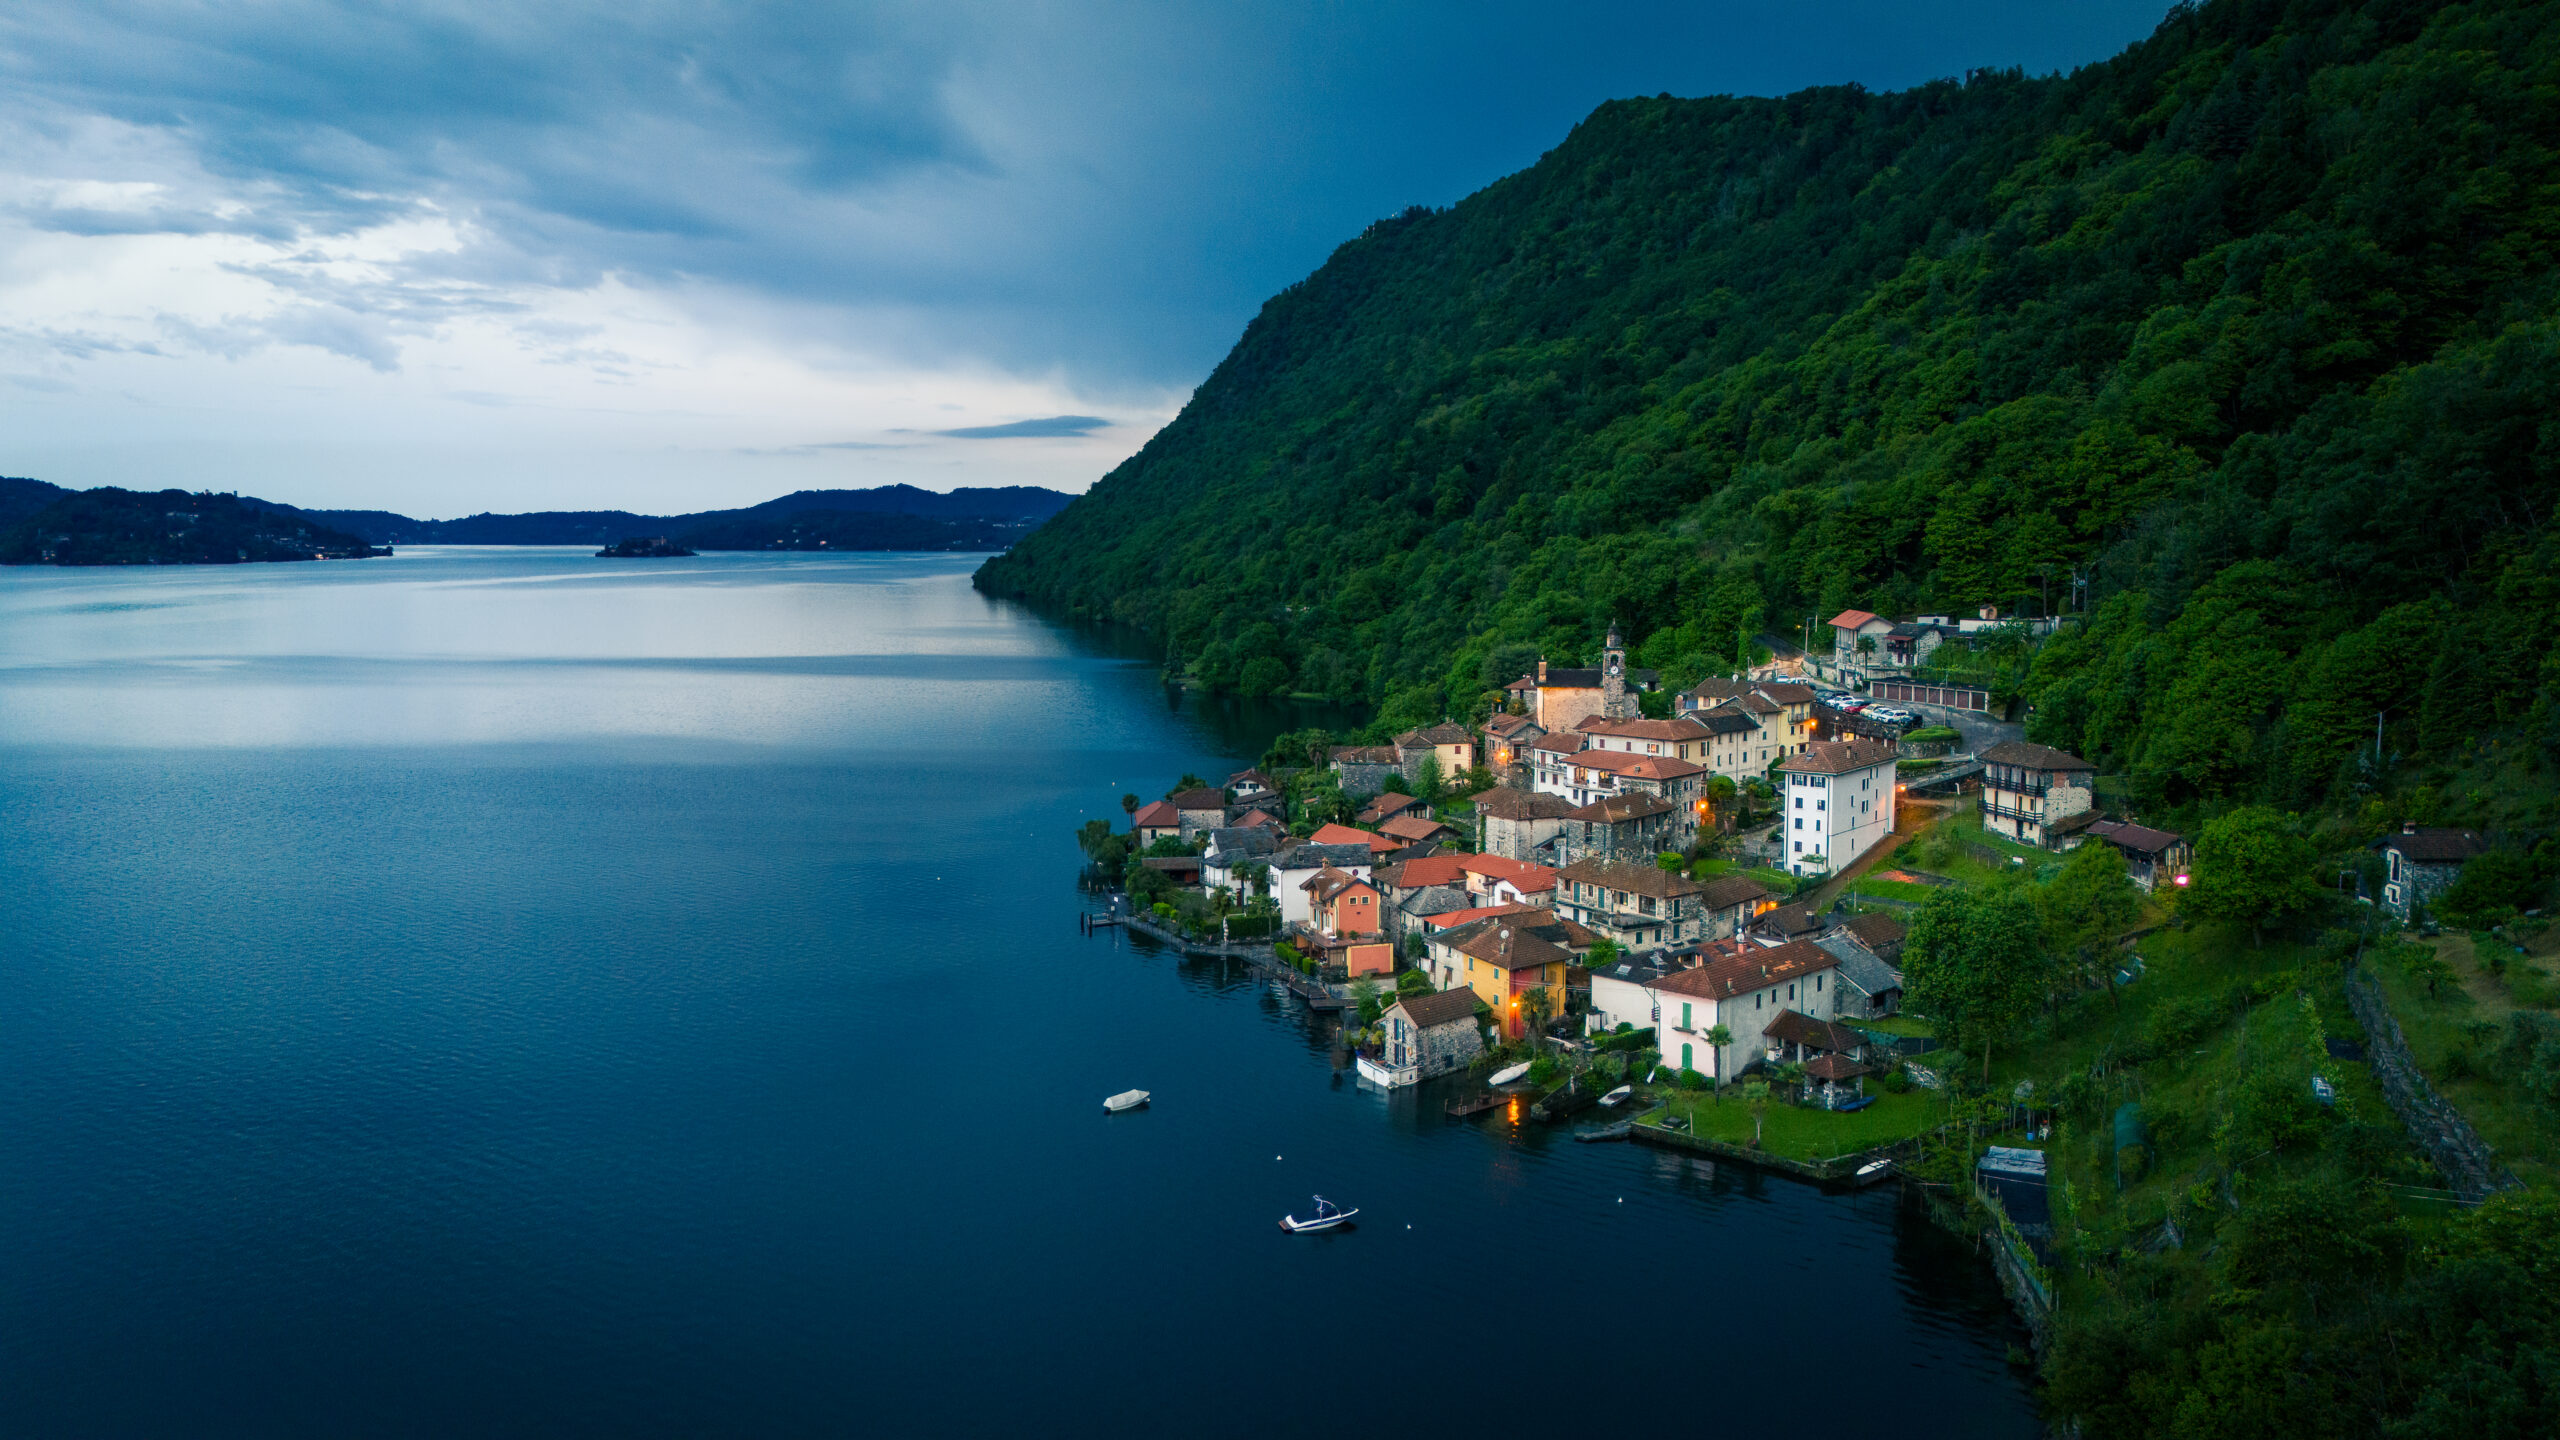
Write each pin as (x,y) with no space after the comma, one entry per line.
(447,257)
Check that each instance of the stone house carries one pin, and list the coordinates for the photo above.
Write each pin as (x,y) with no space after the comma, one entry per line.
(1200,811)
(1428,1035)
(1452,745)
(2419,863)
(2150,856)
(1506,740)
(1363,769)
(1388,805)
(1635,905)
(2029,791)
(1515,823)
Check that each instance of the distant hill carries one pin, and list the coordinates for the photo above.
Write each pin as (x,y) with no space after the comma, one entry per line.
(108,526)
(891,517)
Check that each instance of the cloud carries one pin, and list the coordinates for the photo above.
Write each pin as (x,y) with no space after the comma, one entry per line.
(1049,428)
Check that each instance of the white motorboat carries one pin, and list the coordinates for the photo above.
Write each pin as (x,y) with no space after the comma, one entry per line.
(1327,1216)
(1126,1100)
(1509,1073)
(1872,1169)
(1618,1095)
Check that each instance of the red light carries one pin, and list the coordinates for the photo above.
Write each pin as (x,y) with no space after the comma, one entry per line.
(2182,879)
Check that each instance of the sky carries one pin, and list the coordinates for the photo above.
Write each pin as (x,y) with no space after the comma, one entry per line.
(443,257)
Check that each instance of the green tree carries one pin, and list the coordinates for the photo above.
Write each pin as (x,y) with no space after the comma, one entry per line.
(1974,963)
(1429,782)
(2252,868)
(2086,906)
(1717,1037)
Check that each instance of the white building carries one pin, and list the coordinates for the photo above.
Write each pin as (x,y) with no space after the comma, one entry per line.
(1292,868)
(1742,988)
(1835,803)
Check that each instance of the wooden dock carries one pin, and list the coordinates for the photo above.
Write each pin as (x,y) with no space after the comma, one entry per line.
(1476,1104)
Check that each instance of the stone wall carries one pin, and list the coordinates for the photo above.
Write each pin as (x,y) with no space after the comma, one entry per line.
(2470,1167)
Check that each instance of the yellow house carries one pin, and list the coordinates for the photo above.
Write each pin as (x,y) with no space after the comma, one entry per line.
(1505,957)
(1454,746)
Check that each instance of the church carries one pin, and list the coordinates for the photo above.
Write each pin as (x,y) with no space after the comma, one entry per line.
(1558,699)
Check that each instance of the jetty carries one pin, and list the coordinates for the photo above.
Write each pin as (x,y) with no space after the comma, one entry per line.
(1475,1104)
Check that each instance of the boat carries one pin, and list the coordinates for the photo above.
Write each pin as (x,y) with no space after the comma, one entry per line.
(1126,1100)
(1594,1134)
(1873,1170)
(1327,1216)
(1509,1073)
(1618,1095)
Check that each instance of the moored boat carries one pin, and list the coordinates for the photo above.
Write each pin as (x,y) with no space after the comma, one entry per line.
(1618,1096)
(1509,1073)
(1126,1100)
(1328,1215)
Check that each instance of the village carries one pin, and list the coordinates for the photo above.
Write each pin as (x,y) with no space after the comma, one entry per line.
(1646,899)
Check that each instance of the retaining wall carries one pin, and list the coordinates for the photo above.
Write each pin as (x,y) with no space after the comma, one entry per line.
(2438,1128)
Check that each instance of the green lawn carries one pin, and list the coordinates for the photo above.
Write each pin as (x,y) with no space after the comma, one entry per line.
(1894,889)
(1896,1025)
(1777,880)
(1799,1133)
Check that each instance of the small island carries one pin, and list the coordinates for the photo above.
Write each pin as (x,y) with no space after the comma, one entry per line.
(642,547)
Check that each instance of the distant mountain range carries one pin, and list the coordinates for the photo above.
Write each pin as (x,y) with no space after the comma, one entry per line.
(891,517)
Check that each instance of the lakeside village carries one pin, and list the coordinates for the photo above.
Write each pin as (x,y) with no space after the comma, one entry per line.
(1698,909)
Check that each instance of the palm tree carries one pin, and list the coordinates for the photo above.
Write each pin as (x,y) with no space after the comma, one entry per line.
(1757,1092)
(1534,1009)
(1718,1037)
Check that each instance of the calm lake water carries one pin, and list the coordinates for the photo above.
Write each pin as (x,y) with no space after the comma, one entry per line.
(512,993)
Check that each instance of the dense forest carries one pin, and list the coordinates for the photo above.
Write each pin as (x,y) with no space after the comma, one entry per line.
(108,526)
(2252,331)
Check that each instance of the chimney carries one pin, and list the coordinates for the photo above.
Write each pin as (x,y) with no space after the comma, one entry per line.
(1542,670)
(2408,827)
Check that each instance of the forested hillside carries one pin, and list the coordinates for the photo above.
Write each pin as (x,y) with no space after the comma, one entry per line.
(2255,324)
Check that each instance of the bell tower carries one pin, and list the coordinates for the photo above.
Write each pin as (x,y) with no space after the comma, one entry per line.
(1616,700)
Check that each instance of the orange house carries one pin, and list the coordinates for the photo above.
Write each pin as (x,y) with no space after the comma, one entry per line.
(1343,904)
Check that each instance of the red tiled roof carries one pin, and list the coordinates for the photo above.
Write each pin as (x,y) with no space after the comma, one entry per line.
(1673,729)
(1650,880)
(1526,878)
(1201,799)
(1252,818)
(1838,757)
(1562,742)
(1508,804)
(1345,835)
(1430,870)
(1452,919)
(1724,978)
(1444,1007)
(1836,1067)
(1160,815)
(1413,828)
(1852,619)
(1386,805)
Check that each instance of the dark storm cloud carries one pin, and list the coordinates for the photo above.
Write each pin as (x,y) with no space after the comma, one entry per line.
(1104,191)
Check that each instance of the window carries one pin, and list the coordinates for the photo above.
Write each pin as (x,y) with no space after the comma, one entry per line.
(1821,804)
(1799,847)
(1791,992)
(1799,804)
(1799,825)
(1684,1015)
(1817,984)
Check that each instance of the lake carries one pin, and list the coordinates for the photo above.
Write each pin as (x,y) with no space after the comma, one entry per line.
(504,992)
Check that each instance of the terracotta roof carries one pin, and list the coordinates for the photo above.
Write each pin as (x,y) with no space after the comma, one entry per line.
(1797,1028)
(1836,1067)
(1508,804)
(2429,846)
(1788,692)
(1201,799)
(1791,921)
(1414,828)
(1650,880)
(1853,619)
(1723,892)
(1661,767)
(1459,919)
(1880,931)
(1838,757)
(1619,762)
(1730,975)
(1255,817)
(1345,835)
(1328,882)
(1238,780)
(1562,742)
(1443,733)
(1442,1007)
(1508,724)
(1618,809)
(2125,835)
(2028,755)
(1526,878)
(1161,814)
(1505,942)
(1433,870)
(1386,805)
(1177,864)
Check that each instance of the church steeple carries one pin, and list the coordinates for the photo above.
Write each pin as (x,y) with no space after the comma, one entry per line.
(1617,701)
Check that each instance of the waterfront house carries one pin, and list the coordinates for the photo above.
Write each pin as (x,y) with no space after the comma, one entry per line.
(1504,958)
(1341,903)
(1200,810)
(1835,803)
(2030,792)
(1743,992)
(1454,746)
(1389,805)
(1352,955)
(2150,856)
(1622,993)
(2419,863)
(1231,852)
(1516,822)
(1154,822)
(1428,1035)
(1293,866)
(1182,870)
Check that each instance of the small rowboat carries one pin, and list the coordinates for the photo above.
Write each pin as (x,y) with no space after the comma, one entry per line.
(1618,1095)
(1596,1134)
(1327,1216)
(1126,1100)
(1509,1073)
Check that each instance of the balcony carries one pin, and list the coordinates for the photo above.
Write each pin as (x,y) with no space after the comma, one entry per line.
(2012,812)
(1992,780)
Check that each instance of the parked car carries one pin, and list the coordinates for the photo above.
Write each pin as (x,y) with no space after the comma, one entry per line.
(1852,706)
